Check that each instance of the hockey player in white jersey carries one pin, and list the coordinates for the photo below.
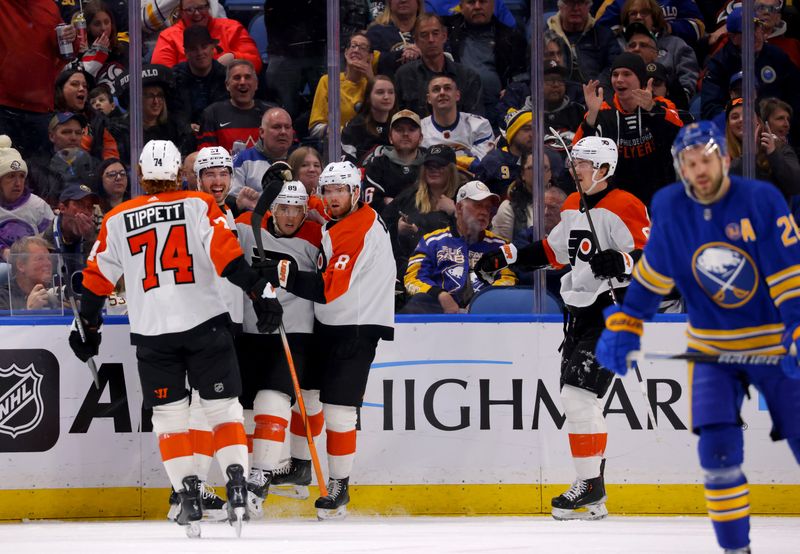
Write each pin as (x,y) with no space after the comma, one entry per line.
(171,246)
(599,262)
(286,234)
(353,289)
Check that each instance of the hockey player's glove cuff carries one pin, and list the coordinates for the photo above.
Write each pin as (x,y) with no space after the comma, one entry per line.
(279,274)
(492,262)
(89,348)
(610,264)
(790,364)
(621,337)
(269,311)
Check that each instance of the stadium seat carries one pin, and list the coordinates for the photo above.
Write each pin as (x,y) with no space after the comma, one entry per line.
(509,300)
(258,31)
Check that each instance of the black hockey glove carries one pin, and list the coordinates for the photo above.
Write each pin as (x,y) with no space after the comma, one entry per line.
(280,273)
(89,348)
(265,303)
(492,262)
(278,171)
(609,264)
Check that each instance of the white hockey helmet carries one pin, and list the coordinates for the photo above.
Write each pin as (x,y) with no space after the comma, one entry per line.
(293,193)
(600,151)
(212,156)
(340,173)
(160,161)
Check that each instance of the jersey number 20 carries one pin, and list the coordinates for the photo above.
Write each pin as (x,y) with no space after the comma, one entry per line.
(174,256)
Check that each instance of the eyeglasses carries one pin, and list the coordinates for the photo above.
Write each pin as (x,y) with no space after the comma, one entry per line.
(198,9)
(153,96)
(767,9)
(114,174)
(359,47)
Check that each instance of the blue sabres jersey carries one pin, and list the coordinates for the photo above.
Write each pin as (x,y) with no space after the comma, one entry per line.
(736,262)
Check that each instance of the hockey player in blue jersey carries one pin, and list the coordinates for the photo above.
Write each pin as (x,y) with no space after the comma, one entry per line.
(732,249)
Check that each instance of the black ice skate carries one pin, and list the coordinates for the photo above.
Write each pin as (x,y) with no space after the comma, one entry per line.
(334,506)
(257,488)
(191,508)
(237,497)
(744,550)
(213,506)
(585,499)
(292,479)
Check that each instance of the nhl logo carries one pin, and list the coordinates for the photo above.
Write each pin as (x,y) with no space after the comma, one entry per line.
(21,406)
(219,387)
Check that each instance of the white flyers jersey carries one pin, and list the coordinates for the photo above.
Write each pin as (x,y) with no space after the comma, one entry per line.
(471,135)
(621,222)
(301,249)
(231,294)
(359,272)
(171,247)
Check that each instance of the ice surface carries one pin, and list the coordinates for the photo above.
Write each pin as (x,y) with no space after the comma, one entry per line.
(408,535)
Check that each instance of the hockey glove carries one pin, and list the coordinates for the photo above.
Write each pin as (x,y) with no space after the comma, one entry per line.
(609,264)
(279,273)
(491,262)
(91,347)
(278,171)
(790,363)
(265,303)
(621,337)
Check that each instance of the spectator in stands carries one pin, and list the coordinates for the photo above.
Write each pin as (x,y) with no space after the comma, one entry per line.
(451,7)
(370,127)
(769,12)
(776,161)
(352,85)
(103,35)
(672,51)
(275,138)
(200,80)
(777,115)
(109,117)
(428,206)
(497,52)
(560,112)
(643,127)
(682,18)
(306,164)
(28,48)
(412,79)
(591,48)
(31,286)
(440,277)
(391,34)
(156,123)
(112,184)
(502,165)
(74,229)
(776,75)
(235,43)
(189,177)
(391,169)
(50,172)
(101,101)
(470,135)
(21,212)
(238,119)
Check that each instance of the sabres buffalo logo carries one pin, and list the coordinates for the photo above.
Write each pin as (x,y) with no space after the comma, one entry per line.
(21,406)
(726,273)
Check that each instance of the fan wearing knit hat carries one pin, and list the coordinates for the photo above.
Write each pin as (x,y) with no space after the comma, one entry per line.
(21,213)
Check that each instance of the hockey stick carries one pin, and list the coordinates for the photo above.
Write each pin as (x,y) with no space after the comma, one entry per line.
(67,288)
(259,211)
(614,298)
(724,358)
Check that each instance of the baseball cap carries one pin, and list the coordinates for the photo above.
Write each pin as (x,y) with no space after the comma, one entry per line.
(197,35)
(552,67)
(475,190)
(657,72)
(405,114)
(733,23)
(637,28)
(75,191)
(441,155)
(62,117)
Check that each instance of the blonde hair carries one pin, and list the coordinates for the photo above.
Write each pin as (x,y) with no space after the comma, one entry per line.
(385,17)
(423,197)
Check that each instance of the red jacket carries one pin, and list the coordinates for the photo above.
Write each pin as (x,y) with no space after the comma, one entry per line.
(232,37)
(29,60)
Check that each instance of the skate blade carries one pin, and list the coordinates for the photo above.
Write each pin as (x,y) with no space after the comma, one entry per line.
(298,492)
(239,521)
(332,515)
(215,516)
(590,512)
(193,530)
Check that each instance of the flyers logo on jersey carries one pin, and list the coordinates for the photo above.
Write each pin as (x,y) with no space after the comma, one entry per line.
(580,246)
(726,273)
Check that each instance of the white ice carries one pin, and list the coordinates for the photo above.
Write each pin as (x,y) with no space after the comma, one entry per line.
(408,535)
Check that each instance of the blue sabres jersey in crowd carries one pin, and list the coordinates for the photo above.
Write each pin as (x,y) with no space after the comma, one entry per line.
(736,262)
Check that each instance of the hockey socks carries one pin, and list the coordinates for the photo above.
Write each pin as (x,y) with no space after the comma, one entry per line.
(340,422)
(587,430)
(176,453)
(728,502)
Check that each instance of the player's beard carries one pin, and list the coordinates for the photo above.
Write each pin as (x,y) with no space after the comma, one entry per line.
(714,192)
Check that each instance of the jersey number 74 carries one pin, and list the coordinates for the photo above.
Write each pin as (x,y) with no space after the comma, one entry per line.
(173,256)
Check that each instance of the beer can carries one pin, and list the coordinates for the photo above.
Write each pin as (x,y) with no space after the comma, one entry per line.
(64,45)
(79,22)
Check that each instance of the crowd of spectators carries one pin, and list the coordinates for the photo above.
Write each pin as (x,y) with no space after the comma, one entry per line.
(432,94)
